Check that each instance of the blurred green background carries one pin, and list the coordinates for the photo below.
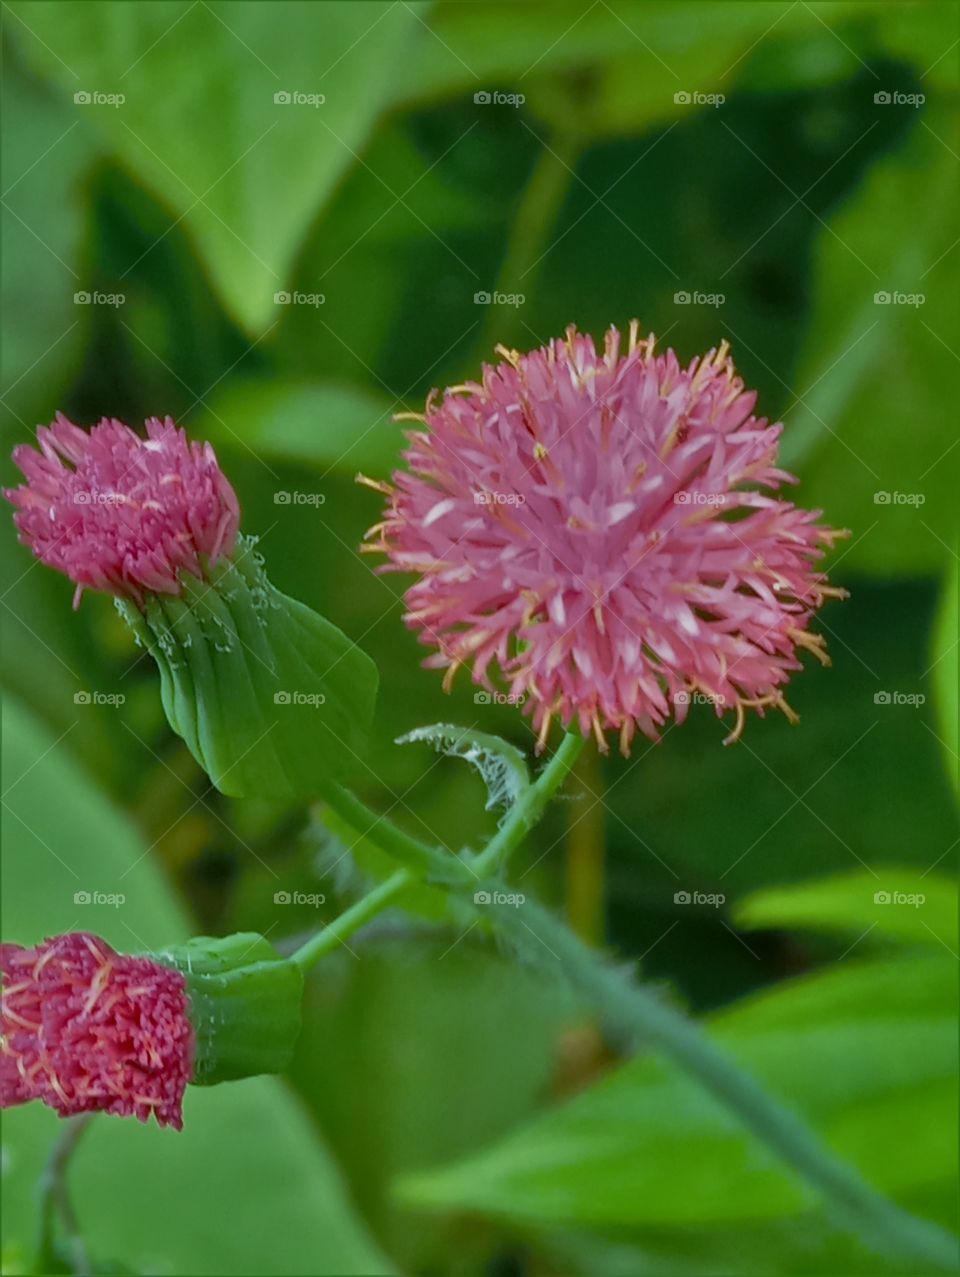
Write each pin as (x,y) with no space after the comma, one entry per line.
(189,229)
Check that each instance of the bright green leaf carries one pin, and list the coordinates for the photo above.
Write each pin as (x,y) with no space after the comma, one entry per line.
(900,902)
(878,1051)
(945,671)
(329,427)
(244,172)
(872,429)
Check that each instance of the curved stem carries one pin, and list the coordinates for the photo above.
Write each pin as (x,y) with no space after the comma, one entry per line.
(636,1012)
(632,1009)
(55,1201)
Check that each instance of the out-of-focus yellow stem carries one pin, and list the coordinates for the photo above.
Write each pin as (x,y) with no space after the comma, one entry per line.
(586,868)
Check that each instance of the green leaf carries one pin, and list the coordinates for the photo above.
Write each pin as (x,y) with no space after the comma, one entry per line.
(44,214)
(901,903)
(945,668)
(269,696)
(202,130)
(872,371)
(502,766)
(330,427)
(247,1153)
(648,1148)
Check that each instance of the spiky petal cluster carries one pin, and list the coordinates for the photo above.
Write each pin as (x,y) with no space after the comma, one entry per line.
(86,1029)
(604,529)
(118,512)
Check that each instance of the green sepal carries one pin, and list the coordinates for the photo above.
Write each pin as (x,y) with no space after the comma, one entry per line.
(245,1005)
(269,696)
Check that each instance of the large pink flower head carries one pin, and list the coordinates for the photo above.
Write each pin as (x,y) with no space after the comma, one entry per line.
(86,1029)
(604,529)
(118,512)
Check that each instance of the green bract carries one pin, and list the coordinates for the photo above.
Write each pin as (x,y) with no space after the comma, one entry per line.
(270,697)
(244,1005)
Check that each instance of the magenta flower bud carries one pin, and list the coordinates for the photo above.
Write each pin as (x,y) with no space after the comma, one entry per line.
(121,513)
(86,1029)
(605,530)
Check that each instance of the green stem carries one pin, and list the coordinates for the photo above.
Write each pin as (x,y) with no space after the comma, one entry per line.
(630,1009)
(636,1013)
(420,861)
(529,807)
(55,1201)
(352,919)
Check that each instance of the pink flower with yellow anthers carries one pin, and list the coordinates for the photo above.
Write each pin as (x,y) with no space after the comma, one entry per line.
(118,512)
(603,528)
(86,1029)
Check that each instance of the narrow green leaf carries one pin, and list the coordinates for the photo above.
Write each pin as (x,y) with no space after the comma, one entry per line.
(502,766)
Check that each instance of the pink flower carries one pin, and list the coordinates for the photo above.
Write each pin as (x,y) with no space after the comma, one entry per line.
(604,530)
(117,512)
(87,1029)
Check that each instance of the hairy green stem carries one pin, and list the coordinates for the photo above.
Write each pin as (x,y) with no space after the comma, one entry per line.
(635,1013)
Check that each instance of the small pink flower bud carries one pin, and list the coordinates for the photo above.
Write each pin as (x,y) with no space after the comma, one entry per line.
(86,1029)
(118,512)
